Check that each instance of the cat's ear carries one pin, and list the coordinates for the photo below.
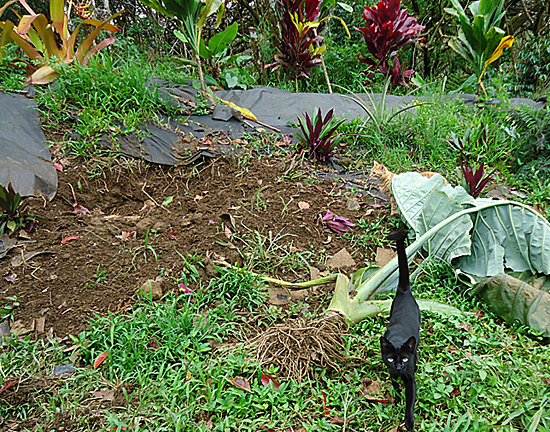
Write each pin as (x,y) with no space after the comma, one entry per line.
(411,343)
(385,344)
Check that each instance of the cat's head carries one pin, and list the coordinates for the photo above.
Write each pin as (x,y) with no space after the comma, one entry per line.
(399,360)
(378,171)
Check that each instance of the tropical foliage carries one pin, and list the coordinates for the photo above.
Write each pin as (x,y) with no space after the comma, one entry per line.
(388,28)
(36,36)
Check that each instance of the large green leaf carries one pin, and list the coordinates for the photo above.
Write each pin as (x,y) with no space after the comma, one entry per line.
(500,235)
(513,237)
(515,299)
(223,39)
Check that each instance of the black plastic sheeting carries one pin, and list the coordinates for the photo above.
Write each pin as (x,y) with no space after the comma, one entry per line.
(25,158)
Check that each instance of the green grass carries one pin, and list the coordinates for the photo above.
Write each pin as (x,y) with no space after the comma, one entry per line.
(109,95)
(475,373)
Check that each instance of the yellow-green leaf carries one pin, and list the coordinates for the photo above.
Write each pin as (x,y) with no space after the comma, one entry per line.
(44,75)
(505,42)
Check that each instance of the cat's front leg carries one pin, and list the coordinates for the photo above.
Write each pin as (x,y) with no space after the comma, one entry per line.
(410,399)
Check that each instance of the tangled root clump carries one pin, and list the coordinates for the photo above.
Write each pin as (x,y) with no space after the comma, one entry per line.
(297,346)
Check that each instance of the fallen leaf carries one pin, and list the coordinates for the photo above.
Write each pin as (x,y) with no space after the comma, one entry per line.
(168,200)
(81,209)
(326,408)
(10,277)
(153,344)
(66,239)
(478,313)
(241,383)
(369,212)
(466,327)
(456,391)
(370,387)
(341,259)
(7,385)
(173,235)
(58,166)
(100,359)
(146,204)
(338,224)
(384,256)
(228,232)
(303,205)
(372,391)
(340,421)
(266,379)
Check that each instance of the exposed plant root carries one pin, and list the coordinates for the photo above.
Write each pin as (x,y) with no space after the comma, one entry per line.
(297,346)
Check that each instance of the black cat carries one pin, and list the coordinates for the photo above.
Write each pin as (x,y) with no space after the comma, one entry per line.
(400,342)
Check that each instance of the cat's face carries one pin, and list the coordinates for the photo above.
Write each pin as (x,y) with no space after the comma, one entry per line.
(399,360)
(378,171)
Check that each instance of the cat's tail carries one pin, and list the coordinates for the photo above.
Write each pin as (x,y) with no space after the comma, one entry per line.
(399,237)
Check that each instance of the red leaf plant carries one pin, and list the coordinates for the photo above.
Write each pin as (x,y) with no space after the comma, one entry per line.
(388,29)
(296,49)
(400,74)
(474,179)
(317,134)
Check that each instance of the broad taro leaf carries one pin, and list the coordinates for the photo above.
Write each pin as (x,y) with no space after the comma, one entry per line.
(518,298)
(501,234)
(424,202)
(513,237)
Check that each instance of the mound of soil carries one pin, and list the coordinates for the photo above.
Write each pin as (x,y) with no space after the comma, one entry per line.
(123,234)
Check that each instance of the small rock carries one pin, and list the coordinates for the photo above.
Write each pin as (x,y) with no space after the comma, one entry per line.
(279,296)
(151,288)
(341,259)
(65,369)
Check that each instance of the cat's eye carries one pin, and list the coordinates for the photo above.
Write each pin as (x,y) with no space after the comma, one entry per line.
(405,360)
(390,359)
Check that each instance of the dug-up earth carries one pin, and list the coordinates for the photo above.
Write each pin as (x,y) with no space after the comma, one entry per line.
(134,222)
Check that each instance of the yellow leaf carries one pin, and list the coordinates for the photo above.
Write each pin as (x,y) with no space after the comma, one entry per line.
(506,42)
(244,111)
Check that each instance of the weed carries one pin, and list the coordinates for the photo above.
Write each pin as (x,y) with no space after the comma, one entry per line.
(13,211)
(236,288)
(369,235)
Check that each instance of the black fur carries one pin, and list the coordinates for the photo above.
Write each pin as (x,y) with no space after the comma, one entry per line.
(400,342)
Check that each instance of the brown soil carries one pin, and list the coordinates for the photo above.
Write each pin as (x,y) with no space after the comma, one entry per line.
(101,270)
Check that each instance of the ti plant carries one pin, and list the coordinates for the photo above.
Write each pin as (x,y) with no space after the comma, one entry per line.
(316,134)
(297,51)
(38,39)
(480,41)
(474,179)
(13,211)
(474,182)
(388,29)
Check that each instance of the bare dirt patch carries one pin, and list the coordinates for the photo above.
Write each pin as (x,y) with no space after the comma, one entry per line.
(130,236)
